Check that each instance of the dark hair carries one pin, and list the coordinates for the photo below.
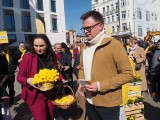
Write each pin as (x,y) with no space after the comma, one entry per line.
(95,15)
(158,41)
(21,42)
(67,50)
(51,58)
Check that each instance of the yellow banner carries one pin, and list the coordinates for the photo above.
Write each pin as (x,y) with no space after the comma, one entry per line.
(39,26)
(3,37)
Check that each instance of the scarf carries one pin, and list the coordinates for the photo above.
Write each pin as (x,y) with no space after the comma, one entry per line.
(88,54)
(23,52)
(7,55)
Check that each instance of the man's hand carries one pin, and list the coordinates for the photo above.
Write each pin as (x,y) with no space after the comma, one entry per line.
(92,88)
(66,68)
(81,90)
(78,67)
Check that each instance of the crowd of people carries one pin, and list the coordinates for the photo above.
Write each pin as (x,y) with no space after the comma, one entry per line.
(103,61)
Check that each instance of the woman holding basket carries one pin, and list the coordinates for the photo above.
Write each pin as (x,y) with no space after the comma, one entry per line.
(41,56)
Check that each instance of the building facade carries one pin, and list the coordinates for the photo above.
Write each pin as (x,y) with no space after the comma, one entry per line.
(130,17)
(18,19)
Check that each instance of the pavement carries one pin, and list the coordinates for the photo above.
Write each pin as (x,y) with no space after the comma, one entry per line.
(20,111)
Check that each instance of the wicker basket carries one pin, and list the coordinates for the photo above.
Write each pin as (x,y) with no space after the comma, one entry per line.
(68,105)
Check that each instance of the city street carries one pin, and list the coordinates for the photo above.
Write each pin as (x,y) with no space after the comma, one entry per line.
(20,111)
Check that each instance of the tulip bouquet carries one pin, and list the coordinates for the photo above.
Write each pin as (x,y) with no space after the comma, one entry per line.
(45,79)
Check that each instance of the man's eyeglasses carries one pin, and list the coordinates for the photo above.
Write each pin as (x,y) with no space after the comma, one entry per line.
(89,28)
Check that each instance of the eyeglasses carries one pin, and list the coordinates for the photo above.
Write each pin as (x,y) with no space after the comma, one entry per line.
(89,28)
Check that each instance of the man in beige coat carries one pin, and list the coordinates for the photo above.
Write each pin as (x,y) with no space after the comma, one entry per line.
(104,63)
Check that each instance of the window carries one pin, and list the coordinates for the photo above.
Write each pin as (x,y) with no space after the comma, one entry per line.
(124,26)
(104,20)
(155,17)
(108,19)
(112,18)
(7,3)
(148,29)
(152,16)
(25,4)
(28,38)
(117,28)
(123,14)
(113,30)
(54,23)
(139,30)
(123,3)
(116,7)
(40,5)
(117,17)
(107,8)
(139,13)
(112,7)
(53,6)
(9,23)
(147,16)
(103,9)
(12,38)
(26,22)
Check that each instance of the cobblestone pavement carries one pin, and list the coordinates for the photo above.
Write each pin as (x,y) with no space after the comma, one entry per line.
(20,110)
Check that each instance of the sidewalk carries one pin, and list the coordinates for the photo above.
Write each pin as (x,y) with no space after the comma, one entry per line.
(20,110)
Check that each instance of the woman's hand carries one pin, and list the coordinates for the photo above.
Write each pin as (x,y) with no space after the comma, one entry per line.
(29,81)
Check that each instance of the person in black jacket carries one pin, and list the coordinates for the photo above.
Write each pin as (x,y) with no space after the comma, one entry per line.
(3,95)
(21,51)
(8,65)
(153,56)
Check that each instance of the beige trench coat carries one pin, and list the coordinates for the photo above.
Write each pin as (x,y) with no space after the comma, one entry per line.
(140,57)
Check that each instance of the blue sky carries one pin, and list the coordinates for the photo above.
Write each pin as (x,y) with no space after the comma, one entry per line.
(73,10)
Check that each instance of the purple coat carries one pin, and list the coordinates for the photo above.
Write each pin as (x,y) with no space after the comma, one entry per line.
(27,69)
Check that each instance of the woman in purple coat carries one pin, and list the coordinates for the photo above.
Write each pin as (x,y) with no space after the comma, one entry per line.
(40,56)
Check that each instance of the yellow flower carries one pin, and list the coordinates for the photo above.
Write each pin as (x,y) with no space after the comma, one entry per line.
(137,77)
(45,75)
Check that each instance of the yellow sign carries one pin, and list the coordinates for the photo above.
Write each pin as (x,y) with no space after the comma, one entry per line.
(3,37)
(107,30)
(39,26)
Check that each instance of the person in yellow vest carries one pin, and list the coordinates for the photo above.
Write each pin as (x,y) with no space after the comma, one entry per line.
(21,51)
(8,65)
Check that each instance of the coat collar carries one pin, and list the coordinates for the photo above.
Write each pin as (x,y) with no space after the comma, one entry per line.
(106,40)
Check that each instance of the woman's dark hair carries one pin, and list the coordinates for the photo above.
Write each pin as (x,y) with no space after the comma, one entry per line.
(67,50)
(95,15)
(51,57)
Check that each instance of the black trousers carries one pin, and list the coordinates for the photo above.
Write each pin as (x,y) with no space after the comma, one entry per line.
(155,83)
(102,113)
(10,84)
